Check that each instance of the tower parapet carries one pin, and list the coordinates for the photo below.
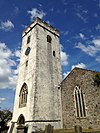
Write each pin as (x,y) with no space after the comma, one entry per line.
(43,24)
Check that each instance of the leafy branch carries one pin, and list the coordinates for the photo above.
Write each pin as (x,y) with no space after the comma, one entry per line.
(96,79)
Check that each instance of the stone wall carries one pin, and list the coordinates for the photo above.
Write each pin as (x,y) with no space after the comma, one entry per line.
(84,79)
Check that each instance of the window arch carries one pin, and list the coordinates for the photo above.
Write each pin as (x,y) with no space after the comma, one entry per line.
(79,102)
(23,95)
(49,39)
(21,120)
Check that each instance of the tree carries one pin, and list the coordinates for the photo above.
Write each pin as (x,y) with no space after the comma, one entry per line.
(97,80)
(5,116)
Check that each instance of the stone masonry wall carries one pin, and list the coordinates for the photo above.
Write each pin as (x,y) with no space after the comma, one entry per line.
(83,78)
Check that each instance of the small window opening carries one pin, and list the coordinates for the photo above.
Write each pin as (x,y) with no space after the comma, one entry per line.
(28,39)
(54,54)
(27,51)
(49,39)
(26,63)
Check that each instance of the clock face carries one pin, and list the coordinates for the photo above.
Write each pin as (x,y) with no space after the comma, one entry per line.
(27,51)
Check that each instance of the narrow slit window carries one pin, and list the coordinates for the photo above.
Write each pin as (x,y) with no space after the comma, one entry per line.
(26,63)
(49,39)
(28,39)
(54,54)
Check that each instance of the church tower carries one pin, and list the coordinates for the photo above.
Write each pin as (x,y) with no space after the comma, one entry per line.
(38,98)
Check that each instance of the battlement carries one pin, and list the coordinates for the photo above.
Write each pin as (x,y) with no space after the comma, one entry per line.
(41,23)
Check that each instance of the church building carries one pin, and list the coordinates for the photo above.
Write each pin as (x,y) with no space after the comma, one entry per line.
(42,97)
(80,92)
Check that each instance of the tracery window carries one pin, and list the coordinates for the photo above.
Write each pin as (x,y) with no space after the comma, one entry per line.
(49,39)
(79,102)
(23,95)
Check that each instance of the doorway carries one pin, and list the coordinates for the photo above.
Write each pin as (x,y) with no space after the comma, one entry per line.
(21,128)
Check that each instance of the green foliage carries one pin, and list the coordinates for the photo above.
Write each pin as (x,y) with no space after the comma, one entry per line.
(97,80)
(5,116)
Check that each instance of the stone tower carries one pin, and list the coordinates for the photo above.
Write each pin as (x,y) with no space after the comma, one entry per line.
(37,99)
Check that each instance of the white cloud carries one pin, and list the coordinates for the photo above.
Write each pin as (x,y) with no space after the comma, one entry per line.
(2,99)
(66,33)
(95,15)
(15,71)
(98,59)
(52,9)
(17,53)
(98,27)
(97,43)
(82,35)
(81,12)
(64,56)
(24,26)
(84,19)
(93,48)
(8,72)
(79,65)
(7,25)
(48,22)
(90,50)
(36,13)
(65,74)
(16,10)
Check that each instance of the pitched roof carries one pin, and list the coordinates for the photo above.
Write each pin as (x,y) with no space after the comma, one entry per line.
(79,69)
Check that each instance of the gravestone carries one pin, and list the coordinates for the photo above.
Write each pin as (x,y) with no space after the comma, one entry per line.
(78,129)
(49,129)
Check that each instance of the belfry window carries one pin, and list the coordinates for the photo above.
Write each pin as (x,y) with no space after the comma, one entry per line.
(79,102)
(28,39)
(49,39)
(23,95)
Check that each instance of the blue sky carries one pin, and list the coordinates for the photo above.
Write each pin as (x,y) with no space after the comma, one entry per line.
(79,25)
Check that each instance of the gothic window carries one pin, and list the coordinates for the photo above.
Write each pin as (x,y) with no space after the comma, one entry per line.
(23,95)
(21,120)
(28,39)
(49,39)
(79,102)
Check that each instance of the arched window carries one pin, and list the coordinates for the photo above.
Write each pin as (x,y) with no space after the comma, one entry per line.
(21,120)
(23,95)
(79,102)
(49,39)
